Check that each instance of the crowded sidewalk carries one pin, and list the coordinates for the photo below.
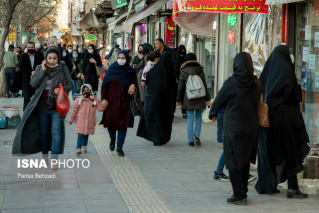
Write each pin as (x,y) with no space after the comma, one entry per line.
(169,178)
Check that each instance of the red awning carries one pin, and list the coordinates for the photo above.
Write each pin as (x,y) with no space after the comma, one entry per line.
(198,16)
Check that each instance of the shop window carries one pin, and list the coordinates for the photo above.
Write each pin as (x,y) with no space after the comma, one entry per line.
(187,39)
(229,43)
(262,33)
(307,64)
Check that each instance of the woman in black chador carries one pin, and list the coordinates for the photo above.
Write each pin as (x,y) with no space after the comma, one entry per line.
(239,97)
(156,123)
(283,145)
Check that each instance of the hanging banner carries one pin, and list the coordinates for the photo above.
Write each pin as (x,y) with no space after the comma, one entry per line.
(222,6)
(170,32)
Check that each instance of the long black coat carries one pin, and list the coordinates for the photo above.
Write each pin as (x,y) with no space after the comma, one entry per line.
(26,68)
(239,96)
(283,145)
(156,122)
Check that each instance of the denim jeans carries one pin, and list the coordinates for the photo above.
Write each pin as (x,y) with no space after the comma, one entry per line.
(221,164)
(120,137)
(220,117)
(190,123)
(82,140)
(53,122)
(74,90)
(9,74)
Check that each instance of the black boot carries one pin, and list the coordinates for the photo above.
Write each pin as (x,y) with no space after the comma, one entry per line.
(112,146)
(236,200)
(296,193)
(120,152)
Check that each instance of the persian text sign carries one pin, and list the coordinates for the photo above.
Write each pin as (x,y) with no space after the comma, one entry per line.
(221,6)
(170,32)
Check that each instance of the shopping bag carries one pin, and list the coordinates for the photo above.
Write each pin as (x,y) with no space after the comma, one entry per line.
(205,115)
(62,102)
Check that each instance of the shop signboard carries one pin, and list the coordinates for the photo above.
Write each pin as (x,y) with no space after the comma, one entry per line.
(170,32)
(198,16)
(221,6)
(118,3)
(139,6)
(91,37)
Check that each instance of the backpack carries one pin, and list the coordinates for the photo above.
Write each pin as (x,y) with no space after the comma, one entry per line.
(195,87)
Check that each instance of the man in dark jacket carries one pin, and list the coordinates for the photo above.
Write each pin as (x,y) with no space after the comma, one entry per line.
(159,46)
(29,61)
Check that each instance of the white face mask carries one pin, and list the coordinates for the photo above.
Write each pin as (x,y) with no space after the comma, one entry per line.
(90,51)
(53,66)
(80,50)
(70,50)
(121,61)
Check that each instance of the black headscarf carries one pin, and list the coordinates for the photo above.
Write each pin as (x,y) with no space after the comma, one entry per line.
(243,78)
(147,48)
(124,72)
(190,57)
(278,78)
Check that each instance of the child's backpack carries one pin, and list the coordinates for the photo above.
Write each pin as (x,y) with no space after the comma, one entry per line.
(195,87)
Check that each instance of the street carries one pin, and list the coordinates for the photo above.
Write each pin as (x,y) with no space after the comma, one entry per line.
(171,178)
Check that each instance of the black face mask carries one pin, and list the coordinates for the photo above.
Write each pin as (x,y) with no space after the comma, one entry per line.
(31,51)
(86,94)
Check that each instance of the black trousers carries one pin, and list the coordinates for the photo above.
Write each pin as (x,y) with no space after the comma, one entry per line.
(239,181)
(293,183)
(93,80)
(28,91)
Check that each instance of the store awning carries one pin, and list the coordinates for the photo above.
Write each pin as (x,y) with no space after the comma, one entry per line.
(117,29)
(272,2)
(74,31)
(198,17)
(90,21)
(112,23)
(145,12)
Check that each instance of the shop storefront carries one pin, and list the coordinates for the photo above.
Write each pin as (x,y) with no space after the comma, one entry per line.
(307,64)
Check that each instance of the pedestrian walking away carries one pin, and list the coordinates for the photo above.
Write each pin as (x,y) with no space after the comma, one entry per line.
(10,63)
(180,55)
(29,61)
(40,117)
(192,67)
(283,145)
(156,122)
(83,113)
(91,59)
(118,86)
(239,96)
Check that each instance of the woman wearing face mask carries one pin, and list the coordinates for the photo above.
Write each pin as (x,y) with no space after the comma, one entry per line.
(117,117)
(91,59)
(76,72)
(41,127)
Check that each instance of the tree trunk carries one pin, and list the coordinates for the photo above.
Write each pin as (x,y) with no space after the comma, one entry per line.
(28,34)
(10,6)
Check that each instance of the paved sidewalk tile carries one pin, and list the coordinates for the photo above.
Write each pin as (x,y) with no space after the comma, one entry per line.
(171,178)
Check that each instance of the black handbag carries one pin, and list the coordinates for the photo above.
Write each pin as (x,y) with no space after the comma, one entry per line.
(136,104)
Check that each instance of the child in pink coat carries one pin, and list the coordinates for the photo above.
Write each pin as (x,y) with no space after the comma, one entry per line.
(83,114)
(152,58)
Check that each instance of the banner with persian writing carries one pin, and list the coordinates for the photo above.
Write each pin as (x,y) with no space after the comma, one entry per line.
(222,6)
(170,32)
